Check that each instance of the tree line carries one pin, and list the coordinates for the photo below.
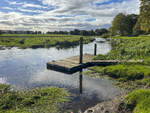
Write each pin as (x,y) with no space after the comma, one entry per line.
(96,32)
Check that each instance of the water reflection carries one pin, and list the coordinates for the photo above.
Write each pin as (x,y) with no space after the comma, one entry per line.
(80,81)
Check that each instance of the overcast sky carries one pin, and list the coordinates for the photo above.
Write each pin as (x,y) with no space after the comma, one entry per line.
(51,15)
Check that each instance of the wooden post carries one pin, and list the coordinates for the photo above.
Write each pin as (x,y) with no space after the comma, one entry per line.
(95,49)
(81,51)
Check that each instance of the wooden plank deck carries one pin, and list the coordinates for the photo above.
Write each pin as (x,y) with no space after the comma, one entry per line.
(71,65)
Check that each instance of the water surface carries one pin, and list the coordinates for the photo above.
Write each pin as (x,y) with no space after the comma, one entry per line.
(26,68)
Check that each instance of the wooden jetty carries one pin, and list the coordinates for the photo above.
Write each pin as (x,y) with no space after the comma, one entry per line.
(72,64)
(77,63)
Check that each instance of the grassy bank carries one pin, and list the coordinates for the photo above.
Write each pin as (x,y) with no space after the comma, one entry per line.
(134,77)
(138,101)
(44,42)
(127,76)
(44,100)
(128,48)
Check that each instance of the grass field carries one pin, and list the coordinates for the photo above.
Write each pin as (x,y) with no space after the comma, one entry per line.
(43,42)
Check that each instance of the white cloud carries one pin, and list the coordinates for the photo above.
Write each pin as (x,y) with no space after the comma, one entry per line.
(76,11)
(15,3)
(26,5)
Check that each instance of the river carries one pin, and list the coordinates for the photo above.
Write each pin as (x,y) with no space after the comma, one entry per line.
(26,69)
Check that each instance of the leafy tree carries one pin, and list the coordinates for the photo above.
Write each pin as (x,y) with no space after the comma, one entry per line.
(123,24)
(132,20)
(137,29)
(118,25)
(145,15)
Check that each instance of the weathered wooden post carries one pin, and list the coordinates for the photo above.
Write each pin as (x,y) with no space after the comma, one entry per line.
(80,81)
(81,51)
(95,49)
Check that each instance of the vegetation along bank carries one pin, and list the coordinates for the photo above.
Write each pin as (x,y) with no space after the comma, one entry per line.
(40,100)
(134,78)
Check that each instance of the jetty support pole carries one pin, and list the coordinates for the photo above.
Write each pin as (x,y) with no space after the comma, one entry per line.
(81,51)
(95,49)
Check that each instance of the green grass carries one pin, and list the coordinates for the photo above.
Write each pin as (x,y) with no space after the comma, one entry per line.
(131,76)
(44,42)
(128,48)
(41,100)
(139,100)
(124,73)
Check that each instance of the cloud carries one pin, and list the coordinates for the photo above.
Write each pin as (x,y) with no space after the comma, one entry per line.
(66,15)
(15,3)
(26,5)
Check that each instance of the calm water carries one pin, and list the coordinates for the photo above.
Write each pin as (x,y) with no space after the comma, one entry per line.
(26,68)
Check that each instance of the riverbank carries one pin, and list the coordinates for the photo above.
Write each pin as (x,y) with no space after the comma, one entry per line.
(42,41)
(134,78)
(47,100)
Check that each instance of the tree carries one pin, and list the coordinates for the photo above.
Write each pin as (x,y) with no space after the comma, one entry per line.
(132,20)
(145,15)
(84,33)
(1,32)
(101,31)
(118,25)
(91,33)
(123,24)
(137,29)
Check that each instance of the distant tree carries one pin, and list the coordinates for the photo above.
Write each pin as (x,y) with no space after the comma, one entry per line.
(76,32)
(84,33)
(39,32)
(1,32)
(91,32)
(145,15)
(101,31)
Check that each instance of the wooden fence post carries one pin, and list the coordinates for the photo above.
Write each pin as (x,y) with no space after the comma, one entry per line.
(95,49)
(81,51)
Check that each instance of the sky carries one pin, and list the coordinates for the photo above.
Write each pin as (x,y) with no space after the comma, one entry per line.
(51,15)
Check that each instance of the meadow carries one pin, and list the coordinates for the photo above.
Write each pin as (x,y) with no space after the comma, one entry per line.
(41,41)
